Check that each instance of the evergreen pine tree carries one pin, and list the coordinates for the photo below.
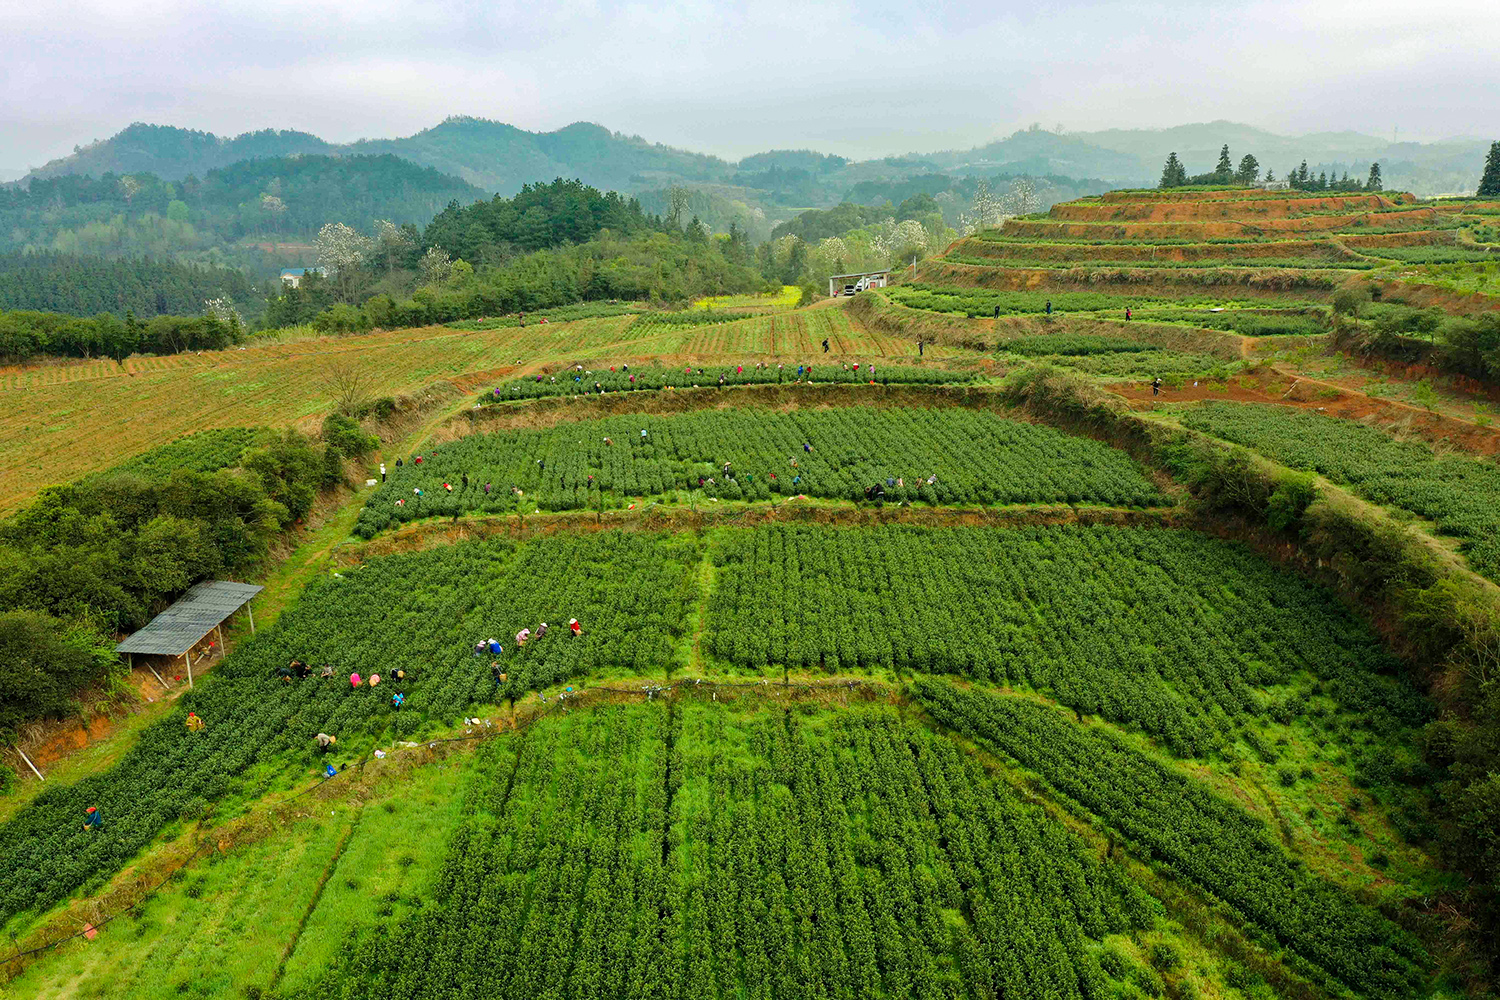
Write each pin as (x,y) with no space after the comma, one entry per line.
(1304,178)
(1173,173)
(1270,176)
(1489,184)
(1224,172)
(1249,170)
(1374,184)
(1323,181)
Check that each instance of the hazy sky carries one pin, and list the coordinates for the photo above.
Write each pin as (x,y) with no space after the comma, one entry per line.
(860,79)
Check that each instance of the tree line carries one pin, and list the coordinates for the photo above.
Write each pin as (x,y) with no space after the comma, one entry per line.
(1174,174)
(90,284)
(27,335)
(658,267)
(220,216)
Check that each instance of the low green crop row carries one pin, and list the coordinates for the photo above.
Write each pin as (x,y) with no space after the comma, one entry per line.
(936,456)
(580,381)
(1201,838)
(714,851)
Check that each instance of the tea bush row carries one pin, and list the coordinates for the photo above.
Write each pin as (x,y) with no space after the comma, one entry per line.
(581,382)
(1200,838)
(714,851)
(1170,631)
(971,456)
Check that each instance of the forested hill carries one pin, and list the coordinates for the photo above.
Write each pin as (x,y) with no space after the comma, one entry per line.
(501,158)
(174,153)
(491,155)
(224,216)
(89,285)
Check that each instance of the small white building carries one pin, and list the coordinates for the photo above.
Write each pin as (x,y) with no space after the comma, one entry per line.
(853,284)
(291,277)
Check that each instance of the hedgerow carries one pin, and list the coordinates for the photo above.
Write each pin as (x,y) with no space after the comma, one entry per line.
(1250,323)
(560,314)
(647,322)
(971,456)
(714,851)
(1073,345)
(1199,837)
(1175,368)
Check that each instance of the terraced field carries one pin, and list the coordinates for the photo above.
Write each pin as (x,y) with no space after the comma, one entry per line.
(1254,230)
(1030,692)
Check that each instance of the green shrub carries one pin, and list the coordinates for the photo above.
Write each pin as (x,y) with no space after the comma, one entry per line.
(1165,957)
(345,434)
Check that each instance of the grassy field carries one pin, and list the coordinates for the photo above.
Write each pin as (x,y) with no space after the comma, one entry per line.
(274,911)
(59,413)
(778,301)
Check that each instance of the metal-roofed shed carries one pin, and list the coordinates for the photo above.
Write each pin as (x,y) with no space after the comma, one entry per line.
(178,629)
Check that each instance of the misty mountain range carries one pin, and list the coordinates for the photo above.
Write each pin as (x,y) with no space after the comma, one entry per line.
(500,158)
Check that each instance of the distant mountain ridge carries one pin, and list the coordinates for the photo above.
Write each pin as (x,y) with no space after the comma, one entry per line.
(500,158)
(173,153)
(491,155)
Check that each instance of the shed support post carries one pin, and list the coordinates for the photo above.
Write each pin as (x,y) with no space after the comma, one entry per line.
(251,613)
(29,763)
(219,631)
(188,657)
(164,684)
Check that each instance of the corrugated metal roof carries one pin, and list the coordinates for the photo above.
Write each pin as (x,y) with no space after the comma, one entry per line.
(194,615)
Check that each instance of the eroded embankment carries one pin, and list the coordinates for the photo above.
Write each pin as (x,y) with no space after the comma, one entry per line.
(984,333)
(1207,209)
(1141,282)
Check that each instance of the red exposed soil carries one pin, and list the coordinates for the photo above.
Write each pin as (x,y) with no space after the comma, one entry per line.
(1330,399)
(1166,283)
(1224,194)
(1412,219)
(1150,253)
(48,741)
(1213,209)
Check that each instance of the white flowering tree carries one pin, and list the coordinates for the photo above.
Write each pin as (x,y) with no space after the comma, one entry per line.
(1022,198)
(342,250)
(392,243)
(830,256)
(985,212)
(436,266)
(900,241)
(223,310)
